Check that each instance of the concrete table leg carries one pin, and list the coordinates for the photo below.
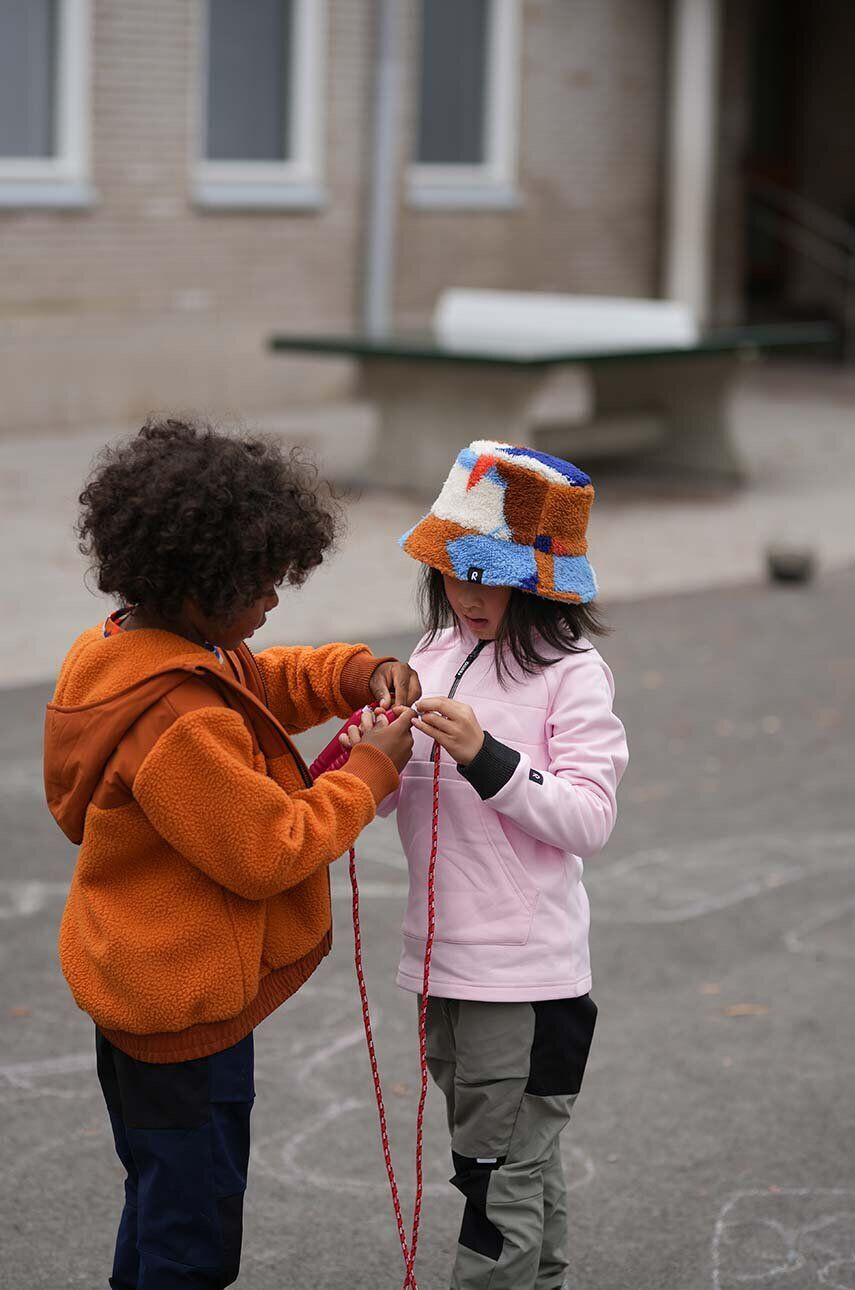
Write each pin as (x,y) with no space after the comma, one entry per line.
(429,411)
(692,397)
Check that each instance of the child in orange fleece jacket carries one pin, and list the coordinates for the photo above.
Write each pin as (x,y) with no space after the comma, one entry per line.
(200,898)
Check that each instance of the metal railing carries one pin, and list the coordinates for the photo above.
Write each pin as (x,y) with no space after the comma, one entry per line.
(820,236)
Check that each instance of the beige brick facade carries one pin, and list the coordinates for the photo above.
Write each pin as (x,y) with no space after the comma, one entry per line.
(147,301)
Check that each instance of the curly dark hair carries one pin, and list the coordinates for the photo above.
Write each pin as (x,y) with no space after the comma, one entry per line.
(560,624)
(185,511)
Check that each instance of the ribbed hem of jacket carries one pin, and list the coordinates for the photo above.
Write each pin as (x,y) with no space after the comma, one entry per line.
(374,768)
(214,1036)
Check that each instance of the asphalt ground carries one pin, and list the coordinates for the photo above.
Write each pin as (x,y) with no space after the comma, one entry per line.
(713,1145)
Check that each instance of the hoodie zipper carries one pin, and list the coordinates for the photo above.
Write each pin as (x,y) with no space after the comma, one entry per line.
(467,662)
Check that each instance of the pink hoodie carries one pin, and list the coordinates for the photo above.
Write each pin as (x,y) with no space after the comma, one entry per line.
(511,912)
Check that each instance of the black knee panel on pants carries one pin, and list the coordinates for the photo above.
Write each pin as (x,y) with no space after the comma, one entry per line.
(472,1178)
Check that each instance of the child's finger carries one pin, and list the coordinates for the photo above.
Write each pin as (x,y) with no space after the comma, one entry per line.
(440,719)
(380,720)
(434,729)
(439,703)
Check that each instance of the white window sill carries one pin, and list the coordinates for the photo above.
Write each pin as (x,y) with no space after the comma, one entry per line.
(58,194)
(259,197)
(467,197)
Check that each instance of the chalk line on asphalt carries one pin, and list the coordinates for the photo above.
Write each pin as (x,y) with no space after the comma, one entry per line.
(798,938)
(765,1234)
(674,885)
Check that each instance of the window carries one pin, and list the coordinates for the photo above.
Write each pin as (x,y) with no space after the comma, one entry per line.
(465,138)
(261,105)
(44,102)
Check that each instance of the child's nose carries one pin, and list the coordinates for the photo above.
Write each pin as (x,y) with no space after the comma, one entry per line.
(272,602)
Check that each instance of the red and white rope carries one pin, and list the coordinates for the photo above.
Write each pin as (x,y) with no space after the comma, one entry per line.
(408,1249)
(332,759)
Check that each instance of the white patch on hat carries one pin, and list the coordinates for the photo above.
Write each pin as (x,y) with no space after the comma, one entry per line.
(481,508)
(493,448)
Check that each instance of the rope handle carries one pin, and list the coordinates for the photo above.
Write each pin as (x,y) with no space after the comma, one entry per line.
(333,757)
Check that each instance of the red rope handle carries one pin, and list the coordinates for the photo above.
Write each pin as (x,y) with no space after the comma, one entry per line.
(332,759)
(410,1250)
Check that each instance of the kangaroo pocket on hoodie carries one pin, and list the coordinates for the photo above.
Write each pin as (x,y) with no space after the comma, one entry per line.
(483,894)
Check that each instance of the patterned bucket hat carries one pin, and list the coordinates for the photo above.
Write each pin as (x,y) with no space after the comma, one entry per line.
(508,516)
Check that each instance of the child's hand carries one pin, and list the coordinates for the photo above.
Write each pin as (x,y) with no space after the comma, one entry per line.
(453,725)
(394,738)
(396,676)
(352,735)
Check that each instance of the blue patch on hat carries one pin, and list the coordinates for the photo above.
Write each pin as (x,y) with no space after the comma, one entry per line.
(505,564)
(402,539)
(570,472)
(574,573)
(543,542)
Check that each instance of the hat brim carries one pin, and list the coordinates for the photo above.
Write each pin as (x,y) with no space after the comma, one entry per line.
(496,562)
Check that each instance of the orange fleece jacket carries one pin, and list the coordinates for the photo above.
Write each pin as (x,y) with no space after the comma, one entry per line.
(200,897)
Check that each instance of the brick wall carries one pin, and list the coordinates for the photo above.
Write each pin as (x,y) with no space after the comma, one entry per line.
(147,302)
(592,87)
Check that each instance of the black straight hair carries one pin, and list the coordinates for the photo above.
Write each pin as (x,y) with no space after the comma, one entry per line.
(560,624)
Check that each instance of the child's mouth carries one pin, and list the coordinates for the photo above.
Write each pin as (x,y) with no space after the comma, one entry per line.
(476,622)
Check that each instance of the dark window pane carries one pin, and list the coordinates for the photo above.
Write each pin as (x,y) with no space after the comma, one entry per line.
(27,77)
(453,82)
(249,80)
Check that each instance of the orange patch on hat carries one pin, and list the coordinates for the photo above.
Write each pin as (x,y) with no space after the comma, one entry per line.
(427,542)
(479,470)
(524,501)
(545,574)
(565,518)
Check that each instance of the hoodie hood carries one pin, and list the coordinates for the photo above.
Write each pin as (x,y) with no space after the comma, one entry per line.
(105,685)
(80,740)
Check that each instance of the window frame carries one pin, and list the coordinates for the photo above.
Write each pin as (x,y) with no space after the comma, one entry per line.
(62,179)
(293,182)
(493,183)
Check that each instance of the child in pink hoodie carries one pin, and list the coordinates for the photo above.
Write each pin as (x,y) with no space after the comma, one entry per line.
(531,757)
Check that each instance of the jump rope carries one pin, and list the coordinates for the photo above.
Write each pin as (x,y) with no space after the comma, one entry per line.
(333,757)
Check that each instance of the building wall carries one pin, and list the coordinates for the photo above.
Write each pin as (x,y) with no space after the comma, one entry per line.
(146,302)
(591,154)
(727,288)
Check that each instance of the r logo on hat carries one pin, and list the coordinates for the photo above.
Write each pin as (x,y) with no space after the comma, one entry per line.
(475,574)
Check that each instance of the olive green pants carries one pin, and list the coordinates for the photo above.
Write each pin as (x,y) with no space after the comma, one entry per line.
(510,1073)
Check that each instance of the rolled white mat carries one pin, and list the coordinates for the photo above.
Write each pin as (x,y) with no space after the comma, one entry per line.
(528,322)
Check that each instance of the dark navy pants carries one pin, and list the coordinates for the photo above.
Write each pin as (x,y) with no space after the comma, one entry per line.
(182,1133)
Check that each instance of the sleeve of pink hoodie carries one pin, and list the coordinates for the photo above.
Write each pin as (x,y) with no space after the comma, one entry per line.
(571,802)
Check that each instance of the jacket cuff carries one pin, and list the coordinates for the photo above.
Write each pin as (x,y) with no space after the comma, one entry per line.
(356,674)
(491,768)
(374,768)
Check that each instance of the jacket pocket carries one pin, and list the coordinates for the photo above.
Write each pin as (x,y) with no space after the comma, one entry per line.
(483,894)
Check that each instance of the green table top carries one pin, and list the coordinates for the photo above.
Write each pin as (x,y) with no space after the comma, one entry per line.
(424,347)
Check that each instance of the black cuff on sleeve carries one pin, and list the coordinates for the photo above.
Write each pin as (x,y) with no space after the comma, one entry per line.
(491,768)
